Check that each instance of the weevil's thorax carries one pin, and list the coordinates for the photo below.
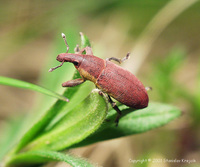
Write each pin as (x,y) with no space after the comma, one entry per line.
(91,67)
(76,59)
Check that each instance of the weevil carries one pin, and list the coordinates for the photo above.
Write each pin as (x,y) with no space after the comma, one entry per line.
(110,78)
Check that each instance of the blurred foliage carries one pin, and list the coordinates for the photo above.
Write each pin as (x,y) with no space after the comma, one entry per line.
(168,89)
(163,75)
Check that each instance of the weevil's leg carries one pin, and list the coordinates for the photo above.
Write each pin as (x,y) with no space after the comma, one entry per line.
(116,109)
(52,69)
(73,83)
(81,51)
(77,49)
(87,49)
(100,92)
(119,60)
(148,88)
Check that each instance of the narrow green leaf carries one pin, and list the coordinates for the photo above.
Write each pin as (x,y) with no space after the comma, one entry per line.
(42,156)
(50,117)
(84,40)
(26,85)
(73,93)
(75,126)
(133,122)
(9,133)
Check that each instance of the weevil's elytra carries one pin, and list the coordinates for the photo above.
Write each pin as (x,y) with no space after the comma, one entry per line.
(110,78)
(126,88)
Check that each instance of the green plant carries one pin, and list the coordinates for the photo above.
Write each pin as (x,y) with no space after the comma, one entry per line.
(164,78)
(81,122)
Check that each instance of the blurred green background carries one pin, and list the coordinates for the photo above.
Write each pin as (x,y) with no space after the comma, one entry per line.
(163,38)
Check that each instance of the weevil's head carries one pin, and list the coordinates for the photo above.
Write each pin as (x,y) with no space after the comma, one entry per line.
(76,59)
(61,57)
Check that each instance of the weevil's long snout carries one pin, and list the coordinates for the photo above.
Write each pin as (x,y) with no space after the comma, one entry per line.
(68,57)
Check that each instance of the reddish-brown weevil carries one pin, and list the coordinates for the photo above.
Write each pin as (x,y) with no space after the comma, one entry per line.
(110,78)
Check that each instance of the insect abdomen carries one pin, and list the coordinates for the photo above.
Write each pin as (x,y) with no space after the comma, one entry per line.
(123,86)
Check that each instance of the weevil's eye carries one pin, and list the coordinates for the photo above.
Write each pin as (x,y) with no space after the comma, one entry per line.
(75,63)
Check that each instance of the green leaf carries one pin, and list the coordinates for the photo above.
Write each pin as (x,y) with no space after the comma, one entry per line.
(8,132)
(26,85)
(52,115)
(133,122)
(41,156)
(75,126)
(84,41)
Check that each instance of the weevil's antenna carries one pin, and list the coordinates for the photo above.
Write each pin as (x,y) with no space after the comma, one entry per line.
(52,69)
(64,37)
